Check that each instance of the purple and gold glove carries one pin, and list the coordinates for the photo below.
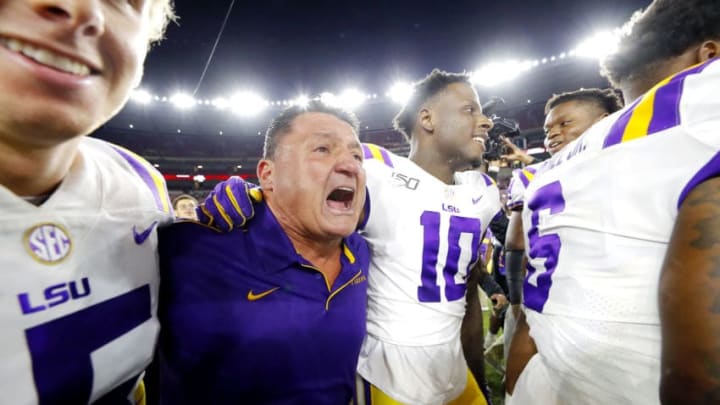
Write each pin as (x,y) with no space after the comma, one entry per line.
(229,205)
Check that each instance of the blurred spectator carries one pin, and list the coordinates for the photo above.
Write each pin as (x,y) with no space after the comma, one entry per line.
(184,206)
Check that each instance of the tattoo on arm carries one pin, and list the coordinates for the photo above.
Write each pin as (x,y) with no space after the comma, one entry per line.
(690,301)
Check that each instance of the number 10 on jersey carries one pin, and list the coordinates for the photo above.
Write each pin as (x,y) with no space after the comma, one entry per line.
(429,290)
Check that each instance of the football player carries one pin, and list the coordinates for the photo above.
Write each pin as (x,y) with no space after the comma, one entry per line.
(623,236)
(79,216)
(424,221)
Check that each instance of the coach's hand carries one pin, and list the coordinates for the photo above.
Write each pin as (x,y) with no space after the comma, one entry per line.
(230,204)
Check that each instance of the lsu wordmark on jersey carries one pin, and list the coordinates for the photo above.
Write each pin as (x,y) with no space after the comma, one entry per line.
(425,236)
(79,281)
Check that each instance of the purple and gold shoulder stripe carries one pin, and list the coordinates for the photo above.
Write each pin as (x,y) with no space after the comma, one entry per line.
(655,111)
(526,175)
(150,176)
(372,151)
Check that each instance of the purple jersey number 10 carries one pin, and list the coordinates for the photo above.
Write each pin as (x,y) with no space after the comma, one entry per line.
(537,283)
(429,290)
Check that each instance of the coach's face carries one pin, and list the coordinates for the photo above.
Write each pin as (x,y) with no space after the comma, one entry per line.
(67,66)
(315,182)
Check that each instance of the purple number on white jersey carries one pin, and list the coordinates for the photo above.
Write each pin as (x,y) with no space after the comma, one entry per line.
(61,348)
(429,290)
(538,281)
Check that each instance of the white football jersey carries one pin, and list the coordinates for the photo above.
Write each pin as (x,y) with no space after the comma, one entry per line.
(518,183)
(598,217)
(80,281)
(425,236)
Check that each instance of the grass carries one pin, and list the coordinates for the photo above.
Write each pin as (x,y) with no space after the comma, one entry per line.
(494,378)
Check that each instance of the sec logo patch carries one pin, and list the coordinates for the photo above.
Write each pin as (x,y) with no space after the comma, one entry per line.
(48,243)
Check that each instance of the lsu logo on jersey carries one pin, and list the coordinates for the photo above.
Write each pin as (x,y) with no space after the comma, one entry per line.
(48,243)
(54,295)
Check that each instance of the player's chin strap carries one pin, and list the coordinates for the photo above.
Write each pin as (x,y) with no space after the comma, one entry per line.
(514,274)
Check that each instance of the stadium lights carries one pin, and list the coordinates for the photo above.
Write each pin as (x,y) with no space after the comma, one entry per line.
(301,101)
(182,101)
(400,92)
(141,96)
(599,45)
(329,99)
(497,73)
(247,104)
(351,99)
(220,103)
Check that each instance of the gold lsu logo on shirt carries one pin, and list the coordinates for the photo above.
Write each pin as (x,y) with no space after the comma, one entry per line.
(359,280)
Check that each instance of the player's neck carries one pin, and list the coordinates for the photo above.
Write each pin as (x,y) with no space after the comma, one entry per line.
(34,171)
(431,163)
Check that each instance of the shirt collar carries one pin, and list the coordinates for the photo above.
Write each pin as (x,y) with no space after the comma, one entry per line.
(274,246)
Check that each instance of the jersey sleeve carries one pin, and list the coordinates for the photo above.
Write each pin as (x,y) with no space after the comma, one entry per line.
(518,183)
(379,165)
(150,176)
(699,112)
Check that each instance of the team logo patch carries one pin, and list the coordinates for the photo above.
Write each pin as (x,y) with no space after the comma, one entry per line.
(48,243)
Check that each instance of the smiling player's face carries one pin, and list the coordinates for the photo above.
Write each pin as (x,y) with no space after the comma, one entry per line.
(67,66)
(567,121)
(459,125)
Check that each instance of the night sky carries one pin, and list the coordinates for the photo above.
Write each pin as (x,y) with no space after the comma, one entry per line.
(280,48)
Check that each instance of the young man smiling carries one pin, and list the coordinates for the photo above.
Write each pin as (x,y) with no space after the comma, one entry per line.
(79,216)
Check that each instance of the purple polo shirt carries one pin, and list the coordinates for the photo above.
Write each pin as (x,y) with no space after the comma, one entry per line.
(246,320)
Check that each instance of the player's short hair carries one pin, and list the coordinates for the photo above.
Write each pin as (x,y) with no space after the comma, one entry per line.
(161,13)
(606,100)
(282,124)
(181,197)
(424,90)
(666,29)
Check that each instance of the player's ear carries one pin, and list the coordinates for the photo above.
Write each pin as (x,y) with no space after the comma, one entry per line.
(600,117)
(265,172)
(708,50)
(425,120)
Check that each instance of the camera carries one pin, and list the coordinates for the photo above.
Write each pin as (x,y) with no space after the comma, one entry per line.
(494,147)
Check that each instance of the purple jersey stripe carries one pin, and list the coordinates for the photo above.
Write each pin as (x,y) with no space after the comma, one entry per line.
(372,151)
(667,102)
(710,170)
(386,157)
(666,107)
(523,178)
(617,131)
(515,204)
(499,214)
(488,180)
(144,174)
(367,152)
